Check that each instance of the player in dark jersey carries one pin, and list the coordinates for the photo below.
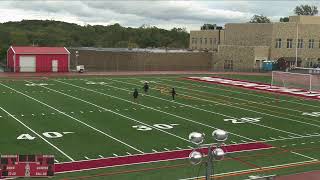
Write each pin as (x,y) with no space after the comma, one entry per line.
(135,94)
(146,87)
(173,93)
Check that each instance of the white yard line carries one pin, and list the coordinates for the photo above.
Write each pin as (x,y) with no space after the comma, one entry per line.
(61,112)
(241,99)
(151,108)
(238,92)
(119,114)
(268,127)
(34,132)
(249,109)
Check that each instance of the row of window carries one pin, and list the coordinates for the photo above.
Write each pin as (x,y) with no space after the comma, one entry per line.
(311,43)
(204,40)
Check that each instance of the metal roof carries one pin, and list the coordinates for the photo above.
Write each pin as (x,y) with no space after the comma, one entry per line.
(39,50)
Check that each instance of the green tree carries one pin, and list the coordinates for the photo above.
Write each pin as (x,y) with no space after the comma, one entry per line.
(306,10)
(259,19)
(284,19)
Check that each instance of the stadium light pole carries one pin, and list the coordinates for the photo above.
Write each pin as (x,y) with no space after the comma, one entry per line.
(297,30)
(214,152)
(77,55)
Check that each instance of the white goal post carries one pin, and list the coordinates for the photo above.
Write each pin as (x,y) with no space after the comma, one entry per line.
(290,80)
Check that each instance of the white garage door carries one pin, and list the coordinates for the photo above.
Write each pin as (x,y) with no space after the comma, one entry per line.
(27,64)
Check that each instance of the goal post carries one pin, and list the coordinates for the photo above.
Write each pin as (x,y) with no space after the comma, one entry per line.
(293,80)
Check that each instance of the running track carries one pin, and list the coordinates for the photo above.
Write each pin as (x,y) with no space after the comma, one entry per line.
(151,157)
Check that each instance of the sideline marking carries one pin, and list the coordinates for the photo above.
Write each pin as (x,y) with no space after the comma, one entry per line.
(238,92)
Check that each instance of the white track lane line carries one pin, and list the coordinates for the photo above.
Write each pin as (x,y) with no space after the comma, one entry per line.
(34,132)
(248,170)
(119,114)
(61,112)
(153,109)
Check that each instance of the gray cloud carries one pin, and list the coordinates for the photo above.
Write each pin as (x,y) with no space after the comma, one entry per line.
(165,14)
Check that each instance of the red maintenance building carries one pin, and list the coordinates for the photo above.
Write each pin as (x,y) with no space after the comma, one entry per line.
(38,59)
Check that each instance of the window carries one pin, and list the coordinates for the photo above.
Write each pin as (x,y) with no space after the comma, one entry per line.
(205,40)
(210,40)
(300,43)
(311,43)
(228,64)
(289,43)
(200,40)
(215,41)
(278,43)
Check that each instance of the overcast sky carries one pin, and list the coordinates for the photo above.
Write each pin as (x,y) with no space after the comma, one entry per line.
(163,14)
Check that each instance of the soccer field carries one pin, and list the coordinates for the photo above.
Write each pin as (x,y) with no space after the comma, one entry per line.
(83,119)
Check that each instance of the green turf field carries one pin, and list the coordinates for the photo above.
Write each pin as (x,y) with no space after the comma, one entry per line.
(96,117)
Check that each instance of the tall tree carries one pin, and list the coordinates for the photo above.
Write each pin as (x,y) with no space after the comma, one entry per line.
(259,19)
(306,10)
(208,26)
(284,19)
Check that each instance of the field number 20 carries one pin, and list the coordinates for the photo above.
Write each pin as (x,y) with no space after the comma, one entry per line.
(51,135)
(159,126)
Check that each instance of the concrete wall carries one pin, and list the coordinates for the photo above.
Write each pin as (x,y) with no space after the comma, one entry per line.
(242,57)
(248,34)
(141,61)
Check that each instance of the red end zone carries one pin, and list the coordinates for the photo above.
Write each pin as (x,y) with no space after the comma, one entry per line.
(152,157)
(258,86)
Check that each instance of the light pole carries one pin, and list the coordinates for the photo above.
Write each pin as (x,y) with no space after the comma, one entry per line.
(77,55)
(214,152)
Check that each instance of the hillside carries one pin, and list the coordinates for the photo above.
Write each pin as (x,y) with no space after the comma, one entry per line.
(57,33)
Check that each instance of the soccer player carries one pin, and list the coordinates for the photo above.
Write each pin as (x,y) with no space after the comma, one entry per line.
(146,87)
(135,94)
(173,93)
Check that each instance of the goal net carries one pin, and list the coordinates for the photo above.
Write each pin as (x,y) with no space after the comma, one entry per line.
(290,80)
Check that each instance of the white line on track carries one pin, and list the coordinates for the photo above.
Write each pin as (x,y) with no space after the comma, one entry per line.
(152,108)
(248,170)
(304,156)
(34,132)
(61,112)
(127,117)
(268,127)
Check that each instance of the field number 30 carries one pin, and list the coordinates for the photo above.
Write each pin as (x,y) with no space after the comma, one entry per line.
(149,128)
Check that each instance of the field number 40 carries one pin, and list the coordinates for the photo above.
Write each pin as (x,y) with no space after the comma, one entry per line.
(51,135)
(159,126)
